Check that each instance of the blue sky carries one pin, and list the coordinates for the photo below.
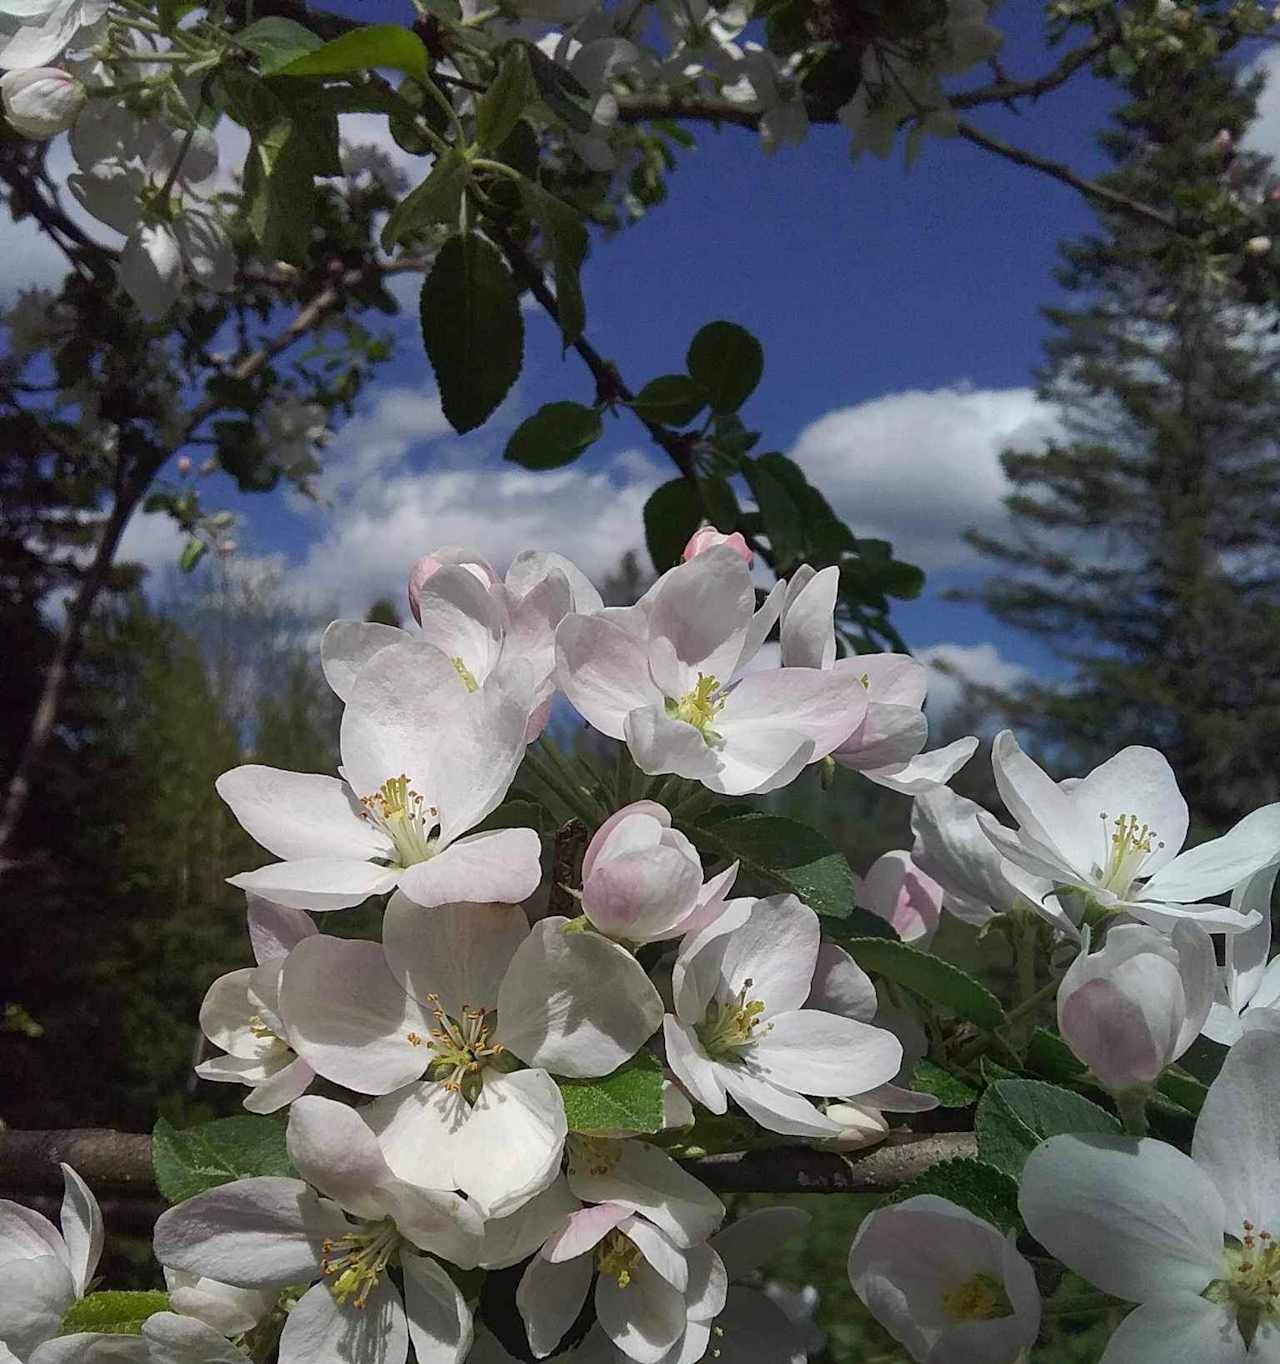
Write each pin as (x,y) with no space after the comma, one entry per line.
(900,317)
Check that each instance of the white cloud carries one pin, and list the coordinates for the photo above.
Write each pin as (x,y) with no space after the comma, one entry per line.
(153,540)
(920,468)
(950,665)
(1263,134)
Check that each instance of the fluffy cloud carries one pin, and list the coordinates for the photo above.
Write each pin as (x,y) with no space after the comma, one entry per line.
(920,468)
(952,665)
(1263,134)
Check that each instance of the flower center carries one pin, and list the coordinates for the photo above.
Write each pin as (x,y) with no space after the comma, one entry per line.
(462,1048)
(730,1025)
(617,1256)
(699,707)
(274,1046)
(355,1262)
(468,677)
(1250,1281)
(980,1298)
(1131,845)
(406,819)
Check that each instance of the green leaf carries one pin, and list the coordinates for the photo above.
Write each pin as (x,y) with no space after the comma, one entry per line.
(514,814)
(555,435)
(435,200)
(785,855)
(783,519)
(192,552)
(362,49)
(1015,1116)
(498,110)
(114,1313)
(565,237)
(928,976)
(949,1090)
(728,362)
(671,515)
(628,1101)
(669,400)
(189,1160)
(472,329)
(721,503)
(984,1190)
(1183,1089)
(563,94)
(276,42)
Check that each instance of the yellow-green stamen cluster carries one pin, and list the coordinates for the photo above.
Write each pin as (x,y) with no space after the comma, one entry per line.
(468,677)
(730,1025)
(355,1262)
(699,707)
(462,1048)
(617,1256)
(1250,1282)
(406,819)
(979,1298)
(1131,845)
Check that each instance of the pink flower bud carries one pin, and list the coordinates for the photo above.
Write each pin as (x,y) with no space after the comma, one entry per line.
(425,569)
(184,465)
(708,537)
(227,546)
(1258,246)
(897,891)
(41,102)
(1223,142)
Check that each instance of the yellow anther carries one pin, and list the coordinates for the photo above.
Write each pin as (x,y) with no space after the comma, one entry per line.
(980,1298)
(468,678)
(699,707)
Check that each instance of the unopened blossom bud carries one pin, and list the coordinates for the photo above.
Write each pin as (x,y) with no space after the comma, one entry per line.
(1223,142)
(1134,1007)
(426,567)
(708,537)
(897,891)
(1257,246)
(227,547)
(184,465)
(43,102)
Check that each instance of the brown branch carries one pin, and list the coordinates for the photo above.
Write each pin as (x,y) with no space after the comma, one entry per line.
(120,1163)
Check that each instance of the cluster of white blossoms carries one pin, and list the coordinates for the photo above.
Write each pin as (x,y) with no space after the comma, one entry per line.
(448,1149)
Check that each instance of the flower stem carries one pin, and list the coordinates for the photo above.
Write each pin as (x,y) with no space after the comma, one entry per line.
(1131,1104)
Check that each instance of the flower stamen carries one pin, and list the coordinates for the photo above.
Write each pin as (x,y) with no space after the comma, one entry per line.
(406,819)
(979,1298)
(617,1256)
(355,1262)
(730,1025)
(1131,845)
(699,707)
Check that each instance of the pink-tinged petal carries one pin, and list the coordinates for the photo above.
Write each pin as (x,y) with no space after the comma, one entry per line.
(300,815)
(1111,1033)
(889,736)
(841,986)
(461,618)
(712,899)
(894,679)
(583,1231)
(280,1089)
(531,633)
(1222,863)
(604,671)
(264,1232)
(510,1239)
(458,555)
(926,771)
(645,1319)
(1138,782)
(808,625)
(347,645)
(500,866)
(751,1241)
(703,609)
(348,1017)
(28,1235)
(440,1324)
(333,1149)
(514,1140)
(321,1330)
(549,1298)
(602,837)
(82,1228)
(319,884)
(776,948)
(692,1066)
(776,1109)
(898,892)
(762,622)
(532,566)
(399,715)
(575,1003)
(458,953)
(1135,1218)
(642,894)
(708,537)
(275,930)
(639,1176)
(36,1294)
(812,1052)
(820,706)
(757,760)
(660,744)
(1043,809)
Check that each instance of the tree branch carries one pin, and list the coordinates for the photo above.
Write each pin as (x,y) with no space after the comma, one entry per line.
(119,1163)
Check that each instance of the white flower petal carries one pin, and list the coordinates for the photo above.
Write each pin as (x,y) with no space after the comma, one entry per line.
(300,815)
(334,1150)
(639,1176)
(347,645)
(582,1231)
(26,1234)
(926,771)
(820,706)
(510,1239)
(36,1294)
(645,1319)
(661,744)
(604,671)
(321,1330)
(808,630)
(1044,811)
(1222,863)
(708,1284)
(642,893)
(1137,781)
(841,986)
(150,269)
(532,566)
(281,1088)
(1180,1328)
(501,866)
(812,1052)
(82,1229)
(774,1108)
(419,1129)
(693,1067)
(85,1347)
(667,1259)
(319,883)
(175,1339)
(753,1330)
(549,1298)
(702,610)
(275,930)
(439,1319)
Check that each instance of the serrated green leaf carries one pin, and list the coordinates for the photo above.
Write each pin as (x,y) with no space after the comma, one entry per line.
(784,855)
(949,1090)
(721,504)
(669,400)
(1048,1055)
(435,200)
(565,237)
(1015,1116)
(934,980)
(555,435)
(498,110)
(628,1101)
(782,517)
(114,1313)
(472,329)
(671,515)
(363,49)
(727,361)
(189,1160)
(984,1190)
(276,42)
(1184,1090)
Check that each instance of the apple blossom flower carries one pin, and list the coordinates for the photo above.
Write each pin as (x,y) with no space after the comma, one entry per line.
(1192,1240)
(164,1338)
(897,891)
(41,102)
(665,676)
(949,1287)
(595,64)
(464,995)
(241,1014)
(951,848)
(221,1307)
(745,1028)
(1132,1008)
(1115,837)
(642,879)
(293,430)
(45,1270)
(861,1116)
(268,1233)
(35,32)
(708,537)
(1247,984)
(423,761)
(647,1289)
